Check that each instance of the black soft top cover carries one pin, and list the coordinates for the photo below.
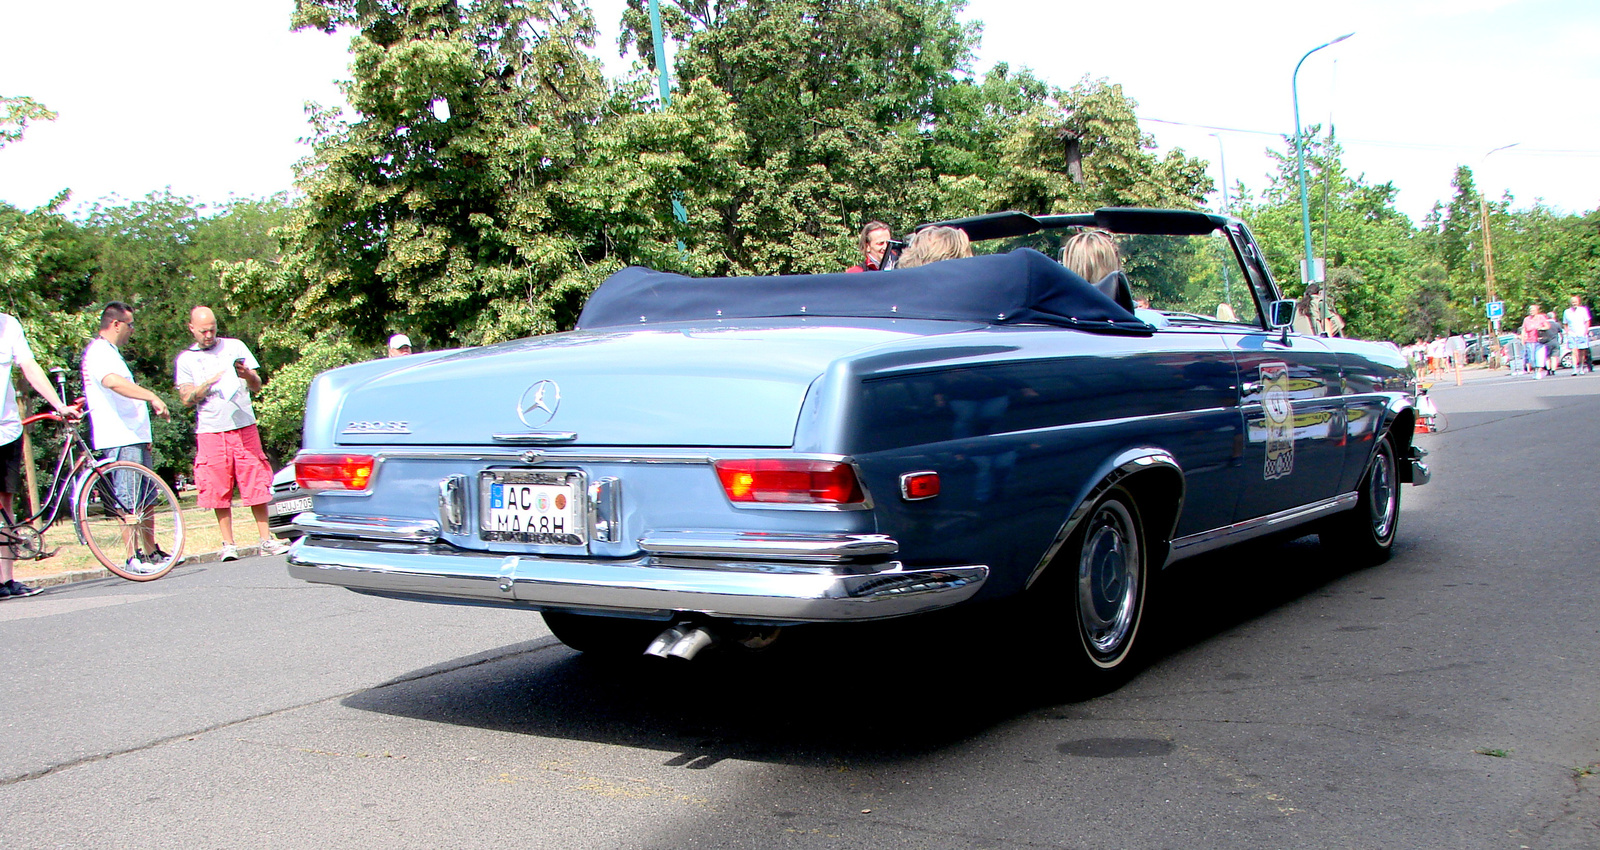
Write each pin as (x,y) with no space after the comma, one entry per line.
(1021,287)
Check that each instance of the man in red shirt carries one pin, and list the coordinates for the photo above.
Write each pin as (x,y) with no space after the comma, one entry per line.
(1532,324)
(874,244)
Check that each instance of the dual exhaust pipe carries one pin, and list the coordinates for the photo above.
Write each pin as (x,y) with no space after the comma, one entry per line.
(680,641)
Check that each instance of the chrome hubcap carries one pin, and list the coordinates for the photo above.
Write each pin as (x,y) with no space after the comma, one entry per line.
(1108,579)
(1381,494)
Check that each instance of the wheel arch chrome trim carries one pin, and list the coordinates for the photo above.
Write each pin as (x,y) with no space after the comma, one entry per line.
(1126,464)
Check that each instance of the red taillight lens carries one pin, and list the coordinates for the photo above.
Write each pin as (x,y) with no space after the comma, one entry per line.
(334,472)
(805,482)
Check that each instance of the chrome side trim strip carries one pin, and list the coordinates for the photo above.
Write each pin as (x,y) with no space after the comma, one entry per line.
(1217,538)
(744,544)
(769,592)
(372,528)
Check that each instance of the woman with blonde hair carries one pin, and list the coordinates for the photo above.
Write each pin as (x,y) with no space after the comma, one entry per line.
(934,244)
(1092,254)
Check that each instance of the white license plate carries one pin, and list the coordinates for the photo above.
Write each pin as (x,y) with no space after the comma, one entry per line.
(533,506)
(293,506)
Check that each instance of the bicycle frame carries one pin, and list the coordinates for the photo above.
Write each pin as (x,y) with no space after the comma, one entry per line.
(76,460)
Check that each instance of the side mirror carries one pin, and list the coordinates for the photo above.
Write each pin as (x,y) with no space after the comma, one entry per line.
(1280,314)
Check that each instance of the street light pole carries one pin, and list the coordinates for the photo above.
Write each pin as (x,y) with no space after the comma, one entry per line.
(1300,153)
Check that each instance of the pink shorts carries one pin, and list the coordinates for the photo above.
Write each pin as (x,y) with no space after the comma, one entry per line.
(228,457)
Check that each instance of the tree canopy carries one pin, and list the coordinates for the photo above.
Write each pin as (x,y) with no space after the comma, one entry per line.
(486,176)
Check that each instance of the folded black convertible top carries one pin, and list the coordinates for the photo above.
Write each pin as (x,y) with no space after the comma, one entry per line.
(1021,287)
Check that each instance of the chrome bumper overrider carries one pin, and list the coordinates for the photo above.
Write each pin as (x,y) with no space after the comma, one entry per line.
(1419,470)
(751,588)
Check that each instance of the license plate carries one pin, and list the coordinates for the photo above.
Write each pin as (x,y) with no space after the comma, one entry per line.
(293,506)
(533,506)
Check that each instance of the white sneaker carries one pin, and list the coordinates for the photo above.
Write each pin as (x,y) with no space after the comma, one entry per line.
(273,547)
(229,552)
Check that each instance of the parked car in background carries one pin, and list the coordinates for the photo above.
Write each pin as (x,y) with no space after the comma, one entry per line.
(710,461)
(287,501)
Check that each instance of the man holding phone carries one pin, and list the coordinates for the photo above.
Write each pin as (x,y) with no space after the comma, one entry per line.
(217,375)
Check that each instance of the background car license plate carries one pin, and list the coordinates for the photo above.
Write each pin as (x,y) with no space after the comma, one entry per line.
(533,506)
(292,506)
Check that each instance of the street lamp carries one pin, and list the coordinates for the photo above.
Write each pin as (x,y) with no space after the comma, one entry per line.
(1300,153)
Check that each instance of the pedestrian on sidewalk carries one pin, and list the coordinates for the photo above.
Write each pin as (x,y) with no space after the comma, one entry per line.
(1577,320)
(216,376)
(119,417)
(1533,326)
(14,351)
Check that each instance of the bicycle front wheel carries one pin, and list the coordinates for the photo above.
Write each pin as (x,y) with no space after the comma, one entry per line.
(131,520)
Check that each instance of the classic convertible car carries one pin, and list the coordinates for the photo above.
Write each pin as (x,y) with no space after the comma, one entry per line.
(710,460)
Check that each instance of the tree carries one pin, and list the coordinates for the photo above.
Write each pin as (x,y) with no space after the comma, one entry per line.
(1372,256)
(15,115)
(1085,150)
(833,99)
(441,207)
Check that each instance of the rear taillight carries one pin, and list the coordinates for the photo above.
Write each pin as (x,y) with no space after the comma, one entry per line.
(803,482)
(334,472)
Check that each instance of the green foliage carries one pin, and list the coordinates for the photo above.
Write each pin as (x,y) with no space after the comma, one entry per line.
(1372,252)
(280,408)
(458,227)
(15,115)
(1086,151)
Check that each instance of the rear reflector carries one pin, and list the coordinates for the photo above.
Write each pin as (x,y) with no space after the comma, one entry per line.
(915,486)
(789,481)
(334,472)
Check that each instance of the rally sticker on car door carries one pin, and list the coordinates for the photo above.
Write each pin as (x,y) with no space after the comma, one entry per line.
(1279,410)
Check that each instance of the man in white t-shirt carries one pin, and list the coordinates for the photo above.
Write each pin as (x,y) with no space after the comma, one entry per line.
(1577,321)
(14,351)
(216,375)
(119,413)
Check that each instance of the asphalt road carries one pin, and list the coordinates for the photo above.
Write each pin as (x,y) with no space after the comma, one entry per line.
(1448,699)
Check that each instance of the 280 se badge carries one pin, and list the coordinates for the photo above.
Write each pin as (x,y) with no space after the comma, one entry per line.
(359,427)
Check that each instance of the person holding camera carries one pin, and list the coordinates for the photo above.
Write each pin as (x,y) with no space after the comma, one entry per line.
(878,248)
(216,376)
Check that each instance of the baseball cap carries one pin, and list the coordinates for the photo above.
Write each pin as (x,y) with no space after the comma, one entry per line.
(399,341)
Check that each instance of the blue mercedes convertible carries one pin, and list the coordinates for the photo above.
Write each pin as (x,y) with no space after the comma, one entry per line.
(709,461)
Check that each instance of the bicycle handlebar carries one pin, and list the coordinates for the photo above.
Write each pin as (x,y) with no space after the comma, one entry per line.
(52,416)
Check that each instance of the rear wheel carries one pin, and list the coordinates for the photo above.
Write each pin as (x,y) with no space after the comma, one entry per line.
(131,520)
(602,636)
(1090,602)
(1366,534)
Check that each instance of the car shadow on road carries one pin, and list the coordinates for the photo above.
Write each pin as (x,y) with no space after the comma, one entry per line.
(855,694)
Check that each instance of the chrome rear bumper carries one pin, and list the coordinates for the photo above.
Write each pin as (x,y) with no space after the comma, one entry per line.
(784,587)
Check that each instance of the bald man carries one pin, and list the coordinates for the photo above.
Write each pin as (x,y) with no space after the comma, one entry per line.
(216,376)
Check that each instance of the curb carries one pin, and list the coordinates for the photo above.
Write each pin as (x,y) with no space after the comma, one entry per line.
(75,576)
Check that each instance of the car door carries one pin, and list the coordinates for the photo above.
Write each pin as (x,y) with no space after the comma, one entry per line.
(1291,394)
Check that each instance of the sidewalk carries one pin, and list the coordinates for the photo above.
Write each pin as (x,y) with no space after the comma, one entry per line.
(41,576)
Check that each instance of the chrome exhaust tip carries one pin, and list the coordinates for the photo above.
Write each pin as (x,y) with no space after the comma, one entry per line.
(665,641)
(691,643)
(680,641)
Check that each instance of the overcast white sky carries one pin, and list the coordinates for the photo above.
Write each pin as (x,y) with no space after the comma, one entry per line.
(207,97)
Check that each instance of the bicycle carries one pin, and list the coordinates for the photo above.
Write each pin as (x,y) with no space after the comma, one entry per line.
(122,511)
